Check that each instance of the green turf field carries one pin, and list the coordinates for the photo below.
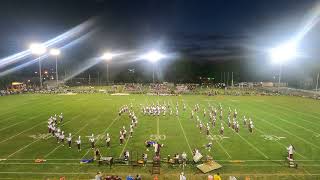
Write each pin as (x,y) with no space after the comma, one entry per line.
(278,122)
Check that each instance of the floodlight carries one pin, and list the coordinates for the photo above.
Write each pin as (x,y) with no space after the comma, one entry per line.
(107,56)
(153,56)
(55,52)
(37,48)
(284,52)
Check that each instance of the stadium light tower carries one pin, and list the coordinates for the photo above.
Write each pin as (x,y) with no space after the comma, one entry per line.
(153,56)
(38,49)
(56,53)
(107,57)
(283,53)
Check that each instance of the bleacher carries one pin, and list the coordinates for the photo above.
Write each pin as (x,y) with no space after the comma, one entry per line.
(159,88)
(133,88)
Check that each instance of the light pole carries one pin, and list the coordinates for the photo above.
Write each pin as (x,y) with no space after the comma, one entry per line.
(317,83)
(153,56)
(38,49)
(282,54)
(153,72)
(56,53)
(107,57)
(280,68)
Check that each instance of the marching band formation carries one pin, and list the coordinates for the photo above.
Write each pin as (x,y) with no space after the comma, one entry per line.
(214,116)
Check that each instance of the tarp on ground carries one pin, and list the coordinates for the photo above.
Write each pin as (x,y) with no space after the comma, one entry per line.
(208,166)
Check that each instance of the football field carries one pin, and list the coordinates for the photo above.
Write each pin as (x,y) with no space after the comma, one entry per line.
(278,122)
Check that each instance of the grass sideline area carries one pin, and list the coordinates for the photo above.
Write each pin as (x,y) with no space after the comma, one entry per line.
(278,122)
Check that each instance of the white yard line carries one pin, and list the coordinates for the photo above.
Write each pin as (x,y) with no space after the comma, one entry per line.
(33,117)
(26,146)
(219,160)
(61,144)
(11,137)
(308,166)
(184,134)
(310,122)
(16,107)
(223,148)
(259,151)
(276,141)
(158,126)
(292,123)
(310,115)
(295,124)
(225,151)
(30,129)
(264,155)
(315,146)
(281,143)
(124,147)
(7,127)
(93,173)
(4,120)
(114,120)
(224,164)
(283,130)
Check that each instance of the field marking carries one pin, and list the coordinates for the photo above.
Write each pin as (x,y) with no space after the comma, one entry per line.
(22,132)
(310,122)
(32,128)
(6,119)
(306,170)
(283,130)
(129,136)
(259,151)
(33,117)
(219,142)
(278,128)
(184,134)
(10,112)
(306,129)
(225,151)
(23,148)
(26,146)
(276,141)
(225,164)
(158,126)
(24,114)
(7,127)
(251,145)
(125,145)
(223,148)
(282,144)
(93,173)
(220,160)
(289,133)
(47,155)
(285,107)
(295,124)
(102,133)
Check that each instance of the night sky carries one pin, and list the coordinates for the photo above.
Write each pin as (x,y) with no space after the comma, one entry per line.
(206,37)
